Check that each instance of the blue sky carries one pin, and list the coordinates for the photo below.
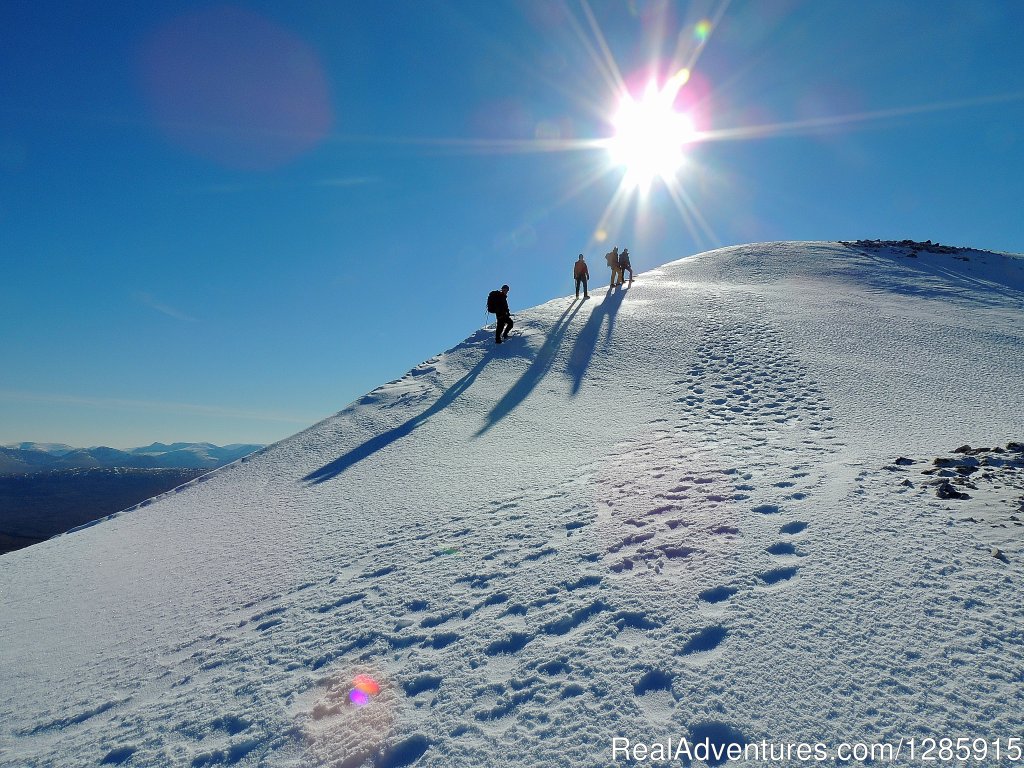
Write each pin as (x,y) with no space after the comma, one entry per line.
(225,222)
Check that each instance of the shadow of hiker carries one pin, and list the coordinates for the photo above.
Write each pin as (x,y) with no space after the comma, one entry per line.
(586,341)
(374,444)
(534,373)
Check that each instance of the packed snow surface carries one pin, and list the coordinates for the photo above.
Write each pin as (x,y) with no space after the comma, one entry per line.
(723,504)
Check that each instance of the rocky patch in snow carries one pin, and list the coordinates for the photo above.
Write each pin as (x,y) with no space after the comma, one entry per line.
(912,247)
(982,485)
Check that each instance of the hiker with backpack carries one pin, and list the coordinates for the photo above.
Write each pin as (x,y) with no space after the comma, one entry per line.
(497,304)
(581,274)
(624,265)
(612,258)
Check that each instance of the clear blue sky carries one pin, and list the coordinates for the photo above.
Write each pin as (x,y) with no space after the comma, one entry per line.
(225,222)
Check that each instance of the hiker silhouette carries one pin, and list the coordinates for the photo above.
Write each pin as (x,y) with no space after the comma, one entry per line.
(581,273)
(497,303)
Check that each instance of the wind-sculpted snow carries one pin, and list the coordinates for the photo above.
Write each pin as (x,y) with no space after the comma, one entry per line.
(706,507)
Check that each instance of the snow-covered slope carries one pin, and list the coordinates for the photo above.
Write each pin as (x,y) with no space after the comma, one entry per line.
(703,507)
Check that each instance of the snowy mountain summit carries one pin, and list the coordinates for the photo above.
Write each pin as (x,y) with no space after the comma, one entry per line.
(765,498)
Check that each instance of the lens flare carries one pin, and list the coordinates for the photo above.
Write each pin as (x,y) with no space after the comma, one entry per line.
(364,688)
(702,31)
(366,684)
(650,134)
(232,86)
(677,81)
(358,697)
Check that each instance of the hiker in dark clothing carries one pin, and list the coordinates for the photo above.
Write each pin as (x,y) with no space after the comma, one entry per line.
(581,273)
(612,257)
(497,302)
(624,265)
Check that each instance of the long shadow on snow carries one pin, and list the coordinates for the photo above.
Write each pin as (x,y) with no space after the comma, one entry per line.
(374,444)
(586,341)
(534,373)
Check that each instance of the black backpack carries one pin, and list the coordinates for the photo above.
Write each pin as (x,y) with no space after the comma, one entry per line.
(494,302)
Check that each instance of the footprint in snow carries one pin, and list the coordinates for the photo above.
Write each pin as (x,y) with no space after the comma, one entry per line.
(653,680)
(776,575)
(705,640)
(624,620)
(783,548)
(717,594)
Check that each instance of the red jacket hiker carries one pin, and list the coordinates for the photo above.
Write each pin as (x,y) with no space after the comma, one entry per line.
(581,273)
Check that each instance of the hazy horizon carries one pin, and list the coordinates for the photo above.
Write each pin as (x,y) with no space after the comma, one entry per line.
(16,443)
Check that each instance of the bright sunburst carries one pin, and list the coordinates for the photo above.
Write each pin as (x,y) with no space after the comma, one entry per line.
(651,135)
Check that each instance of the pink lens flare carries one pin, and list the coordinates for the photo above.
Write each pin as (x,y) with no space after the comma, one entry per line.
(232,86)
(366,684)
(359,698)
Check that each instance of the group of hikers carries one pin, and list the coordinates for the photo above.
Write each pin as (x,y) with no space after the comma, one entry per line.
(497,301)
(617,262)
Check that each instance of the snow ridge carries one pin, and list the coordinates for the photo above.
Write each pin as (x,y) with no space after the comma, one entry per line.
(675,511)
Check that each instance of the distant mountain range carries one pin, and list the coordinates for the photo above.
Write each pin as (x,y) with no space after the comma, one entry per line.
(48,488)
(17,458)
(37,505)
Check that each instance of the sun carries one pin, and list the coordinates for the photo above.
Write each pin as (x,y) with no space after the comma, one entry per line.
(651,135)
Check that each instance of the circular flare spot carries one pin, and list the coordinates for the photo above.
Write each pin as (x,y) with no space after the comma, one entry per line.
(231,86)
(366,684)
